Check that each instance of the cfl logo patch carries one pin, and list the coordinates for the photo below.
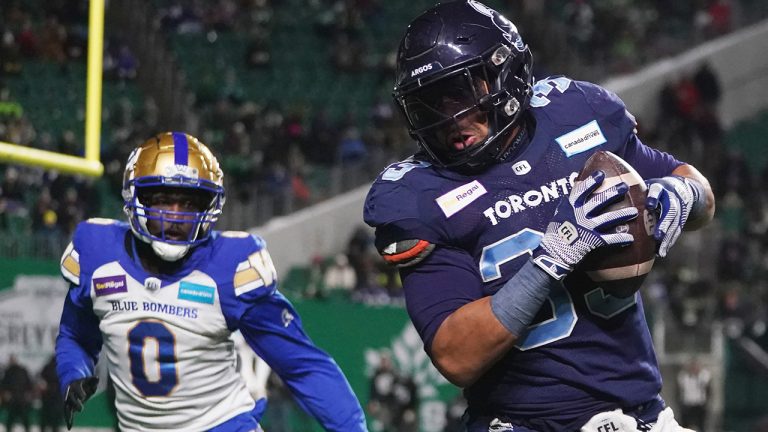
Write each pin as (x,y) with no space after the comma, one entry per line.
(568,232)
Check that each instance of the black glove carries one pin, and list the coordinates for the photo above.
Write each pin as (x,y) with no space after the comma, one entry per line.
(78,392)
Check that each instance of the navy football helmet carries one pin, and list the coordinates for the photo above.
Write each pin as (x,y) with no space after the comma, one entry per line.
(461,59)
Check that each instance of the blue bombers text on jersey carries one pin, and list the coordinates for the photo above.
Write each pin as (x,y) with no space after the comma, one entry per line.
(587,351)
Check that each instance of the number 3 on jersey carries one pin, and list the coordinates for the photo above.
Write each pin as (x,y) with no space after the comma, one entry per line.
(564,314)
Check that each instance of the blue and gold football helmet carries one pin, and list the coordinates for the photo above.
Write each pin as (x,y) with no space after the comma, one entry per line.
(172,160)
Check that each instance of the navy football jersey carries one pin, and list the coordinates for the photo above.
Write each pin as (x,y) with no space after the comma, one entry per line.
(586,351)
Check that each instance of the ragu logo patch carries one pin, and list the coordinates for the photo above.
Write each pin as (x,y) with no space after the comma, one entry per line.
(109,285)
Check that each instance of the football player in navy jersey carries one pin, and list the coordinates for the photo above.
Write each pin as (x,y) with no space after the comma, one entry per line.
(162,295)
(487,225)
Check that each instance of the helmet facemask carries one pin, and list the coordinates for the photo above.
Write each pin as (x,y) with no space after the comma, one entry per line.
(437,110)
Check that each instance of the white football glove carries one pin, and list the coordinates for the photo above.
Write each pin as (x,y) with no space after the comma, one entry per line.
(672,198)
(578,226)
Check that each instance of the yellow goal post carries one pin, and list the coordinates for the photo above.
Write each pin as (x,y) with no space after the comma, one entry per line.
(90,164)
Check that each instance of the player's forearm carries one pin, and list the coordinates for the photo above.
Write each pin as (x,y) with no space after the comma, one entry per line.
(78,343)
(478,334)
(702,213)
(72,361)
(469,342)
(322,389)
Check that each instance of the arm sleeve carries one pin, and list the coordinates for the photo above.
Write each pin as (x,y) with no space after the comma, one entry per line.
(272,328)
(446,280)
(79,341)
(649,162)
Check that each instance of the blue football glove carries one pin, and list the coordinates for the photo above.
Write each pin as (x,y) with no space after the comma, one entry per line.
(672,198)
(579,224)
(78,391)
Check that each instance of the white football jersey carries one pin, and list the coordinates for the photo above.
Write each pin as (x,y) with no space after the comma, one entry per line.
(167,341)
(169,355)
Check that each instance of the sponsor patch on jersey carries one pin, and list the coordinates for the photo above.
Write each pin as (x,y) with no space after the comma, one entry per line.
(582,139)
(109,285)
(196,292)
(455,200)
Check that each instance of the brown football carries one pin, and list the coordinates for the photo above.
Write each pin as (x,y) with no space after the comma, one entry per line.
(620,270)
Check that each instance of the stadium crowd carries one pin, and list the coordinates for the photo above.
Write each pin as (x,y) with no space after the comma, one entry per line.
(290,153)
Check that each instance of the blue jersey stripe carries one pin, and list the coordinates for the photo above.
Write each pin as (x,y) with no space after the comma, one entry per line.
(180,149)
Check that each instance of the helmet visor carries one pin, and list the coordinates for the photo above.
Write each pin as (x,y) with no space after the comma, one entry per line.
(447,116)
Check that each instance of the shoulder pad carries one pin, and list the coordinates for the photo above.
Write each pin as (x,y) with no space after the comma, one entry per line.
(235,234)
(88,246)
(388,202)
(70,264)
(102,221)
(405,253)
(398,199)
(255,276)
(567,101)
(603,101)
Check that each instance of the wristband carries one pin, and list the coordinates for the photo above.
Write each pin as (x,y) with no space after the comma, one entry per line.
(519,300)
(699,204)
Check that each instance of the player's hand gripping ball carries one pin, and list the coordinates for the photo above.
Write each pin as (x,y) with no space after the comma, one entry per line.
(621,270)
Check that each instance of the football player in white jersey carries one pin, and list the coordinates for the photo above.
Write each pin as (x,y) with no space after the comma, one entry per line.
(162,294)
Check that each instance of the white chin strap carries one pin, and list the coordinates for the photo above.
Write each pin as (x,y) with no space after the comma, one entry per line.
(169,252)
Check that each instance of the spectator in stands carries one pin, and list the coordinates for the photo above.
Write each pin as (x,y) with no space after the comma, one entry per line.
(580,16)
(352,148)
(340,276)
(283,412)
(17,392)
(12,203)
(719,15)
(127,64)
(360,246)
(180,18)
(393,398)
(10,59)
(52,404)
(315,286)
(71,211)
(708,85)
(693,385)
(257,54)
(27,39)
(44,217)
(733,309)
(454,414)
(53,36)
(407,403)
(381,398)
(322,148)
